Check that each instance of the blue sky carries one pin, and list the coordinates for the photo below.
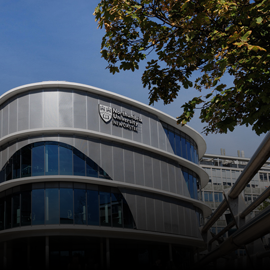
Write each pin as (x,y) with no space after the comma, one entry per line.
(59,40)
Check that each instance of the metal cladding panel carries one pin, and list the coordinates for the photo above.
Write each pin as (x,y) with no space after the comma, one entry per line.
(150,214)
(107,158)
(178,180)
(162,138)
(94,150)
(137,136)
(194,223)
(104,127)
(23,112)
(127,134)
(65,109)
(36,139)
(131,201)
(12,150)
(139,168)
(129,166)
(118,157)
(167,217)
(36,109)
(79,110)
(81,144)
(13,119)
(188,221)
(174,218)
(146,128)
(181,220)
(92,113)
(148,171)
(67,140)
(116,131)
(5,120)
(172,181)
(154,131)
(50,109)
(141,213)
(164,175)
(159,217)
(156,173)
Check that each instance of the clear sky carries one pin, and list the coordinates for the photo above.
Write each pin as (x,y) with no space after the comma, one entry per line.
(45,40)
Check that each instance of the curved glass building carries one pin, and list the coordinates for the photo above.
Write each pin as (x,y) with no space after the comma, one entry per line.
(93,180)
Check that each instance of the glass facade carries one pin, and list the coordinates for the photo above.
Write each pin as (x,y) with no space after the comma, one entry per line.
(63,203)
(182,145)
(50,158)
(192,181)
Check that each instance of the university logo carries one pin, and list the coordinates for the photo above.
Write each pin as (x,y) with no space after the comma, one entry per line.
(105,113)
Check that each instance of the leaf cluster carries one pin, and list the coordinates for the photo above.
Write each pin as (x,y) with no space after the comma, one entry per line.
(208,38)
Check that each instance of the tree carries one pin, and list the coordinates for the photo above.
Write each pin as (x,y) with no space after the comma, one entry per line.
(205,38)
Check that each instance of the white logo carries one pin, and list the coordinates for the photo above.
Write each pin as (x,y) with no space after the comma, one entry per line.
(105,113)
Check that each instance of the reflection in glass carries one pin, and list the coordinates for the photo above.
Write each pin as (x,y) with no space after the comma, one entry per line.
(79,162)
(38,159)
(184,148)
(191,186)
(9,171)
(66,206)
(26,161)
(91,168)
(79,206)
(26,208)
(195,192)
(16,165)
(93,207)
(105,209)
(51,158)
(178,145)
(16,210)
(128,219)
(192,153)
(51,206)
(188,151)
(37,206)
(171,139)
(117,215)
(65,157)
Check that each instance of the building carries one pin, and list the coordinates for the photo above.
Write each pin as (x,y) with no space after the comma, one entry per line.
(93,180)
(223,172)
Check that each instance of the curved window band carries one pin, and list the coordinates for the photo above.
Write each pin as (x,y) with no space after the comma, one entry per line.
(64,203)
(50,158)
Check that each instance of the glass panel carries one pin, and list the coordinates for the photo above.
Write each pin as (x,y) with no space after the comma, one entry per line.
(105,209)
(66,206)
(128,219)
(38,207)
(103,174)
(51,158)
(16,165)
(16,211)
(79,162)
(190,185)
(206,198)
(186,178)
(188,151)
(177,145)
(26,161)
(192,153)
(91,168)
(65,157)
(2,213)
(195,188)
(26,207)
(117,215)
(92,207)
(8,212)
(184,148)
(171,139)
(79,206)
(9,170)
(51,206)
(2,176)
(210,196)
(38,159)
